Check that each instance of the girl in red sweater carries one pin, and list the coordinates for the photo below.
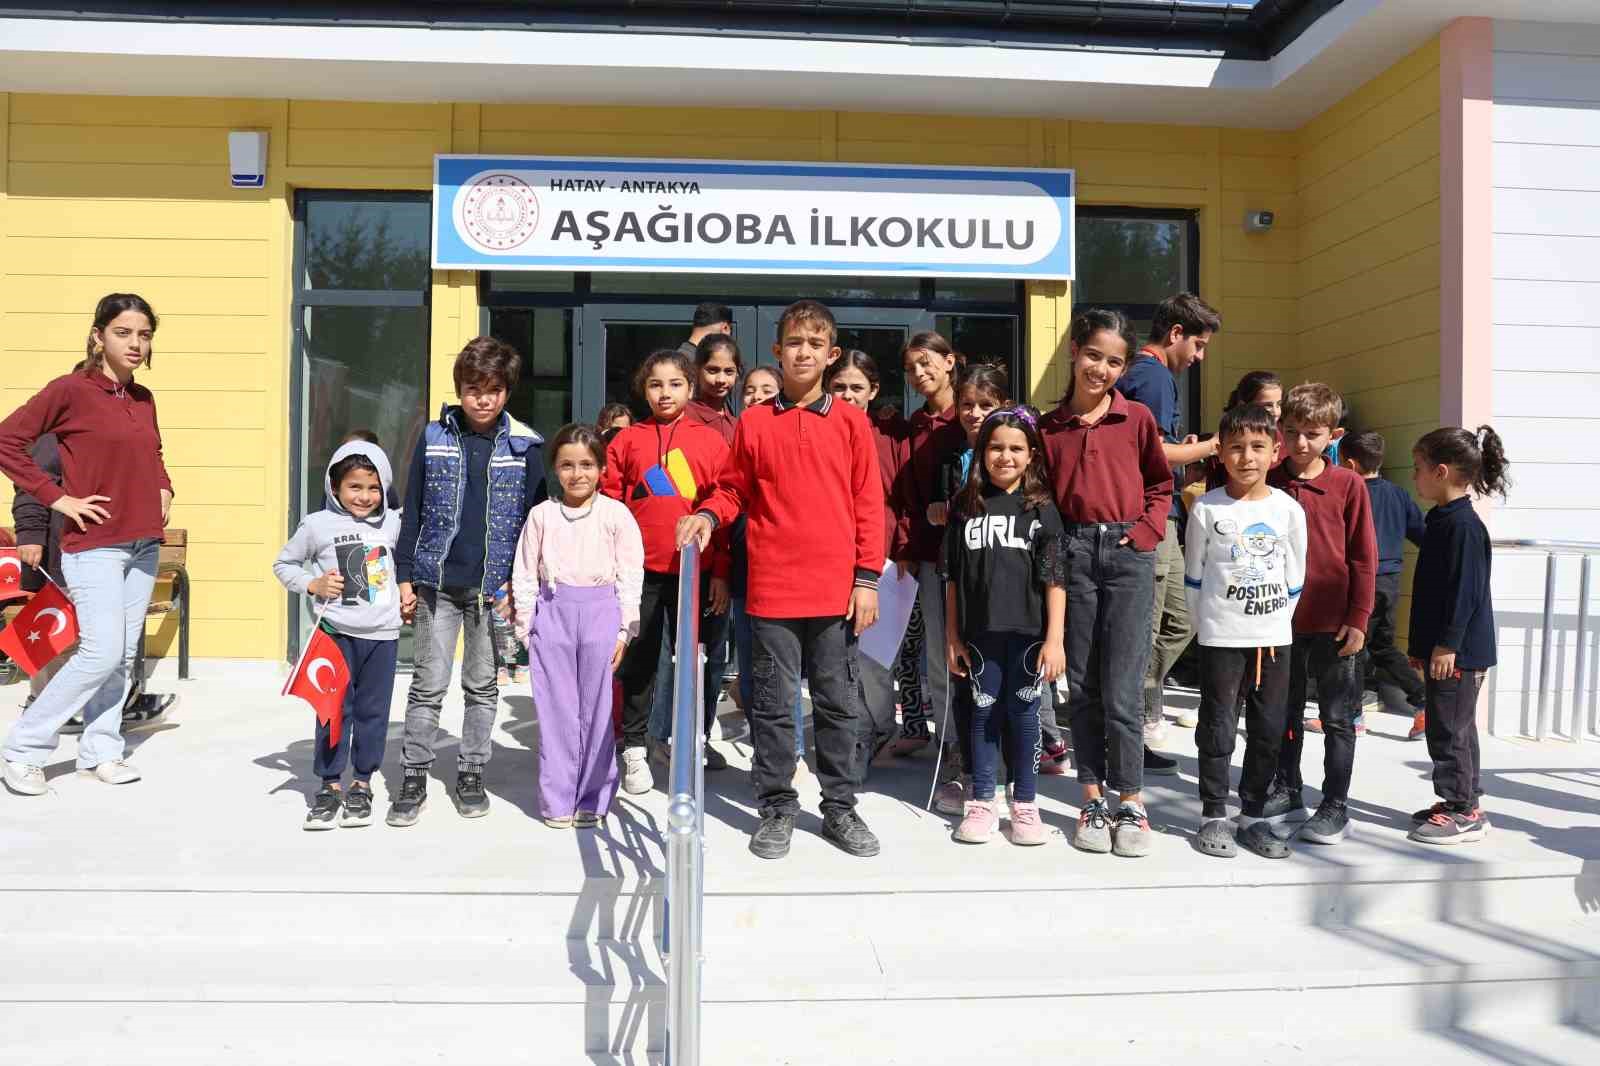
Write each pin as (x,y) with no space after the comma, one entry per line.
(662,468)
(1114,490)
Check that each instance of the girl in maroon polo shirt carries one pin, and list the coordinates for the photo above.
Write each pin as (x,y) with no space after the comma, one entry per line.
(115,496)
(1114,491)
(717,370)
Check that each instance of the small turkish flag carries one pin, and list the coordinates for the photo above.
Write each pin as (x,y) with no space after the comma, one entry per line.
(321,680)
(10,575)
(43,629)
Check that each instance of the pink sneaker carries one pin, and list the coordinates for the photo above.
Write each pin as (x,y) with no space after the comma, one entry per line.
(978,822)
(952,796)
(1026,828)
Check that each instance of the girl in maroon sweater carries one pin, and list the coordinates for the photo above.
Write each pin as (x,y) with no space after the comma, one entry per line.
(663,468)
(115,496)
(1113,488)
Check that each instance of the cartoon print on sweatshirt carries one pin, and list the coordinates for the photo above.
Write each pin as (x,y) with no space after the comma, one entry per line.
(1257,576)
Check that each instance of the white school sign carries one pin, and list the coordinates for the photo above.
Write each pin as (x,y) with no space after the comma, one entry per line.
(550,213)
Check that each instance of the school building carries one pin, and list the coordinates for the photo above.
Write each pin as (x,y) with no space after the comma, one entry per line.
(1399,197)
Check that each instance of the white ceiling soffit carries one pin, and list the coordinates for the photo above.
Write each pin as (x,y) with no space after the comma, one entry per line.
(1343,49)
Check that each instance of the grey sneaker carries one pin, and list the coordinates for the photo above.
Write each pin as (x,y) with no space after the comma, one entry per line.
(25,780)
(1328,826)
(407,807)
(771,839)
(1094,828)
(1130,833)
(850,834)
(113,772)
(324,812)
(1451,827)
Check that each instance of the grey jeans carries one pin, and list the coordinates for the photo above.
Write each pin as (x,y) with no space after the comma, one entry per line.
(441,615)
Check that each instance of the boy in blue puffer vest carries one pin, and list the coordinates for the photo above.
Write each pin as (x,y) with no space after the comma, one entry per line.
(475,475)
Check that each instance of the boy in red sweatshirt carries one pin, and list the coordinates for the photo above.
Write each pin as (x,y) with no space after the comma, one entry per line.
(1330,623)
(804,469)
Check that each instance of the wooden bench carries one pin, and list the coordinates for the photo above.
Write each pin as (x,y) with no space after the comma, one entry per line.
(171,595)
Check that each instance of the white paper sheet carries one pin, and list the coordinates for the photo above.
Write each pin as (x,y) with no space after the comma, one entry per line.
(897,594)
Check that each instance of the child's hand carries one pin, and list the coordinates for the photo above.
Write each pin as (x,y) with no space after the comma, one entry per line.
(1052,661)
(907,567)
(863,609)
(327,587)
(166,507)
(502,606)
(1351,640)
(1442,665)
(694,527)
(76,509)
(616,656)
(955,655)
(719,596)
(408,602)
(937,513)
(31,554)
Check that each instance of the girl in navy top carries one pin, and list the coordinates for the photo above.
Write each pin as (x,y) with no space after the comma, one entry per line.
(1452,639)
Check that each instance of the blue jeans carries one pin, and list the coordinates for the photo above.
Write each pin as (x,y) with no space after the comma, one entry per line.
(110,590)
(1005,703)
(742,655)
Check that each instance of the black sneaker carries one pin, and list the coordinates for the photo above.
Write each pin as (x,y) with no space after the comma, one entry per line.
(1329,825)
(147,710)
(1282,802)
(413,797)
(715,760)
(771,840)
(357,806)
(324,812)
(470,798)
(1158,764)
(850,834)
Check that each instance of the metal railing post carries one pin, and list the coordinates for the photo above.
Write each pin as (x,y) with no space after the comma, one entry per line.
(686,825)
(1542,723)
(1580,719)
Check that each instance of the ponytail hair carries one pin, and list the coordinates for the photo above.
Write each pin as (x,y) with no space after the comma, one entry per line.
(1250,387)
(1477,459)
(1086,324)
(106,312)
(988,380)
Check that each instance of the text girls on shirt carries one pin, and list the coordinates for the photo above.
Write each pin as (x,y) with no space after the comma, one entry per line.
(1000,562)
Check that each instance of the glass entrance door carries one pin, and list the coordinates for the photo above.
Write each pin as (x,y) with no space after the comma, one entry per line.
(616,337)
(880,332)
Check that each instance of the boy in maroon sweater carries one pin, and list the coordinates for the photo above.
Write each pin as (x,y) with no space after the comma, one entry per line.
(804,469)
(1330,623)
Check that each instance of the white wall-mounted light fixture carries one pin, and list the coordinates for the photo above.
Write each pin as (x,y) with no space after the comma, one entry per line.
(1258,221)
(247,159)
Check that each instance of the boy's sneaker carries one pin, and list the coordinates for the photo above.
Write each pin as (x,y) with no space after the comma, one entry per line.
(1094,828)
(1419,725)
(1328,826)
(113,772)
(1026,827)
(25,780)
(1418,817)
(850,834)
(470,799)
(324,812)
(1155,732)
(1054,759)
(357,807)
(1158,764)
(636,776)
(1283,805)
(413,797)
(978,822)
(951,798)
(771,839)
(1130,833)
(147,710)
(1450,827)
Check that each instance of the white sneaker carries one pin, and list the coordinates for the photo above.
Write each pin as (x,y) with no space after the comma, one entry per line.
(25,780)
(1188,719)
(113,772)
(636,776)
(1155,733)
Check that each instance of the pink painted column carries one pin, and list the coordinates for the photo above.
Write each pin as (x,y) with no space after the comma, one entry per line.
(1466,230)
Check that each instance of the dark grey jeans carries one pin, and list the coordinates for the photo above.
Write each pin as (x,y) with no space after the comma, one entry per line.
(442,614)
(1110,596)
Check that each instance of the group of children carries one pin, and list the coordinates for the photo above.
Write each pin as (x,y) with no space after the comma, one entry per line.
(1032,540)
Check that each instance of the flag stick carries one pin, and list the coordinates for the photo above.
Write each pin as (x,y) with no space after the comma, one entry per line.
(315,622)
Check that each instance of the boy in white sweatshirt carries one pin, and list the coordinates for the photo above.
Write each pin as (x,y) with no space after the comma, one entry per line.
(1244,564)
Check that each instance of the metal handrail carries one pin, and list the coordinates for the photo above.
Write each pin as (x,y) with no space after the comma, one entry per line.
(1552,549)
(686,825)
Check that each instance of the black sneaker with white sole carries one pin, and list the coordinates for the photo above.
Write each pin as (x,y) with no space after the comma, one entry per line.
(470,799)
(407,807)
(1328,826)
(357,807)
(1283,803)
(324,812)
(147,710)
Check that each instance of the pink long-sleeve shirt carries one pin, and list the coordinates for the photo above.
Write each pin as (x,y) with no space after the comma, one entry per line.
(601,548)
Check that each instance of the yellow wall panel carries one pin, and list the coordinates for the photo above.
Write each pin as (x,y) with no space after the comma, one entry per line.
(652,145)
(956,129)
(376,148)
(176,256)
(156,219)
(1265,173)
(1370,327)
(1180,170)
(1358,105)
(137,180)
(353,115)
(1369,209)
(163,111)
(1158,141)
(93,145)
(708,124)
(1359,253)
(1413,146)
(1412,273)
(1411,105)
(65,295)
(940,153)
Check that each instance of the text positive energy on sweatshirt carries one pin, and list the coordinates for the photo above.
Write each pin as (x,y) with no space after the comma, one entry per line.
(1244,566)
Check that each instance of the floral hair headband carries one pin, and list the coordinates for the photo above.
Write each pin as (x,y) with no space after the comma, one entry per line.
(1017,411)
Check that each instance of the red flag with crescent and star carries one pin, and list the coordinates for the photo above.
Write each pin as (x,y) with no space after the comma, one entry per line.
(43,629)
(10,575)
(321,680)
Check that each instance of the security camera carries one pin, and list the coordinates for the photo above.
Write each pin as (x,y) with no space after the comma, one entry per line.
(1258,221)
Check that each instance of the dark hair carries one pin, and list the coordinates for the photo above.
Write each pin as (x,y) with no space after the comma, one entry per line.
(1036,489)
(712,314)
(809,311)
(486,360)
(366,436)
(1247,418)
(1477,459)
(610,413)
(582,434)
(106,312)
(988,379)
(853,358)
(711,344)
(930,341)
(1186,311)
(1085,324)
(777,374)
(1250,387)
(1366,449)
(655,359)
(341,470)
